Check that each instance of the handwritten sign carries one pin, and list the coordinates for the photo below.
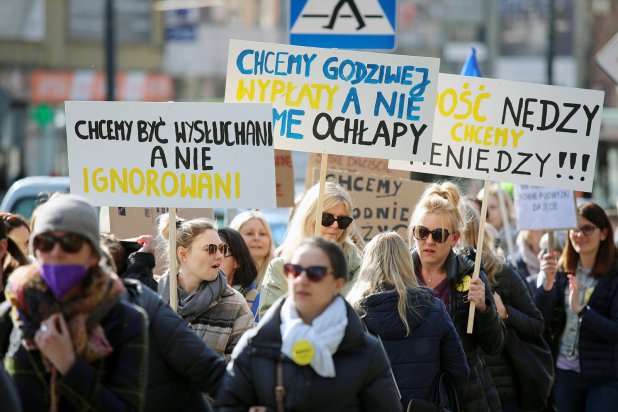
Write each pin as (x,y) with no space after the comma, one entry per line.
(381,203)
(335,101)
(189,155)
(515,132)
(544,208)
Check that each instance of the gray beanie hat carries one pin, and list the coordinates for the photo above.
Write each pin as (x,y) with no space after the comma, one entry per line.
(68,213)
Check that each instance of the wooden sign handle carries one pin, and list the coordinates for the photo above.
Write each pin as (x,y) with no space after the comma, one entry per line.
(318,209)
(172,259)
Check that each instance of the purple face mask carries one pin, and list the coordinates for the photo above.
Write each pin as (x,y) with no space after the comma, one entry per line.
(61,278)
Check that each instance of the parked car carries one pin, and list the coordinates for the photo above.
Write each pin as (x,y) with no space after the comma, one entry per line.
(26,194)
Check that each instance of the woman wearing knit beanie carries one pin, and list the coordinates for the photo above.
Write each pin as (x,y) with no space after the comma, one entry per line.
(78,346)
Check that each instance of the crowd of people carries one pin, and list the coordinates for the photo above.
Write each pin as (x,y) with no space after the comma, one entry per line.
(319,323)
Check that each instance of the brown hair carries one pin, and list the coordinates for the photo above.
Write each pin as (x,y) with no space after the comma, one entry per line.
(606,254)
(186,231)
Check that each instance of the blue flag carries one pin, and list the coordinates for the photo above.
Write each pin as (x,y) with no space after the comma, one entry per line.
(471,66)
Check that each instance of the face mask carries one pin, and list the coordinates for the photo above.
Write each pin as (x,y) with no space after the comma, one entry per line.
(61,278)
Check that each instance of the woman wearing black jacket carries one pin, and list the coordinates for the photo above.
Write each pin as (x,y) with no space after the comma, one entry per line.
(311,344)
(515,308)
(435,227)
(416,330)
(579,301)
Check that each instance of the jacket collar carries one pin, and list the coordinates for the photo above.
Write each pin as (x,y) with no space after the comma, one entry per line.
(267,339)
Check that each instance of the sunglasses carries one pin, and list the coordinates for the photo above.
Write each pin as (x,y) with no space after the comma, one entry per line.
(586,230)
(70,243)
(314,273)
(342,221)
(439,234)
(13,221)
(212,248)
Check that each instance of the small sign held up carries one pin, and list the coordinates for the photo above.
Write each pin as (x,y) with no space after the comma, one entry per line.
(540,208)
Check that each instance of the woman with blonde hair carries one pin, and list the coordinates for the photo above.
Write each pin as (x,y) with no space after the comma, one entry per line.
(336,225)
(494,214)
(214,310)
(255,230)
(409,319)
(515,308)
(435,228)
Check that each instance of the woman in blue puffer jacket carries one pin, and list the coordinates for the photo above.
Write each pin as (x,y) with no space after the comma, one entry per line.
(414,326)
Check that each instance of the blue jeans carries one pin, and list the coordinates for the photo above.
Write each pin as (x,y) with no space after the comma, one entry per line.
(576,393)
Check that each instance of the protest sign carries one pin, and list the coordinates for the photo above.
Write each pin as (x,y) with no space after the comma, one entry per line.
(186,155)
(381,203)
(540,208)
(352,164)
(131,222)
(514,132)
(336,101)
(284,175)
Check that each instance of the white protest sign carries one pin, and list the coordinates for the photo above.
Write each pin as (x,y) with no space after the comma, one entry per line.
(187,155)
(541,208)
(337,101)
(514,132)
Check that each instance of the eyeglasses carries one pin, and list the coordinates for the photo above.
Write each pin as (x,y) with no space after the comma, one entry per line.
(212,248)
(439,234)
(70,243)
(586,230)
(314,273)
(342,221)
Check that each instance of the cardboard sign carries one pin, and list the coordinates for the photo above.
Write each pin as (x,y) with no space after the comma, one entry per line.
(540,208)
(336,101)
(514,132)
(131,222)
(352,164)
(185,155)
(381,203)
(284,175)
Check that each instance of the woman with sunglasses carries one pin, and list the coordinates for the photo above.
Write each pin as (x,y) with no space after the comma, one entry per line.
(579,301)
(240,268)
(435,229)
(336,224)
(77,345)
(213,309)
(409,319)
(310,349)
(254,228)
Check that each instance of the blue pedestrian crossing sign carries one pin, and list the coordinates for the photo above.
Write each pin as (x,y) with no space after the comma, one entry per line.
(344,24)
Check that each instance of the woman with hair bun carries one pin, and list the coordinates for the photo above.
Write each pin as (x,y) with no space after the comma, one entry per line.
(435,228)
(213,309)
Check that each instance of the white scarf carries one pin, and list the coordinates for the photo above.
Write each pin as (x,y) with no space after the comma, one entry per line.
(325,334)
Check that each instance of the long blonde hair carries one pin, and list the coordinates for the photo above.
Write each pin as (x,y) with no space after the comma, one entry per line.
(441,198)
(303,222)
(240,220)
(492,261)
(387,265)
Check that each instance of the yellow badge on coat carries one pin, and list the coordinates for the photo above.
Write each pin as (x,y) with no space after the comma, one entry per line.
(464,285)
(588,293)
(302,352)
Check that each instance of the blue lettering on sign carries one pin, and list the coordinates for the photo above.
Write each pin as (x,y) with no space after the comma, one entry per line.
(286,120)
